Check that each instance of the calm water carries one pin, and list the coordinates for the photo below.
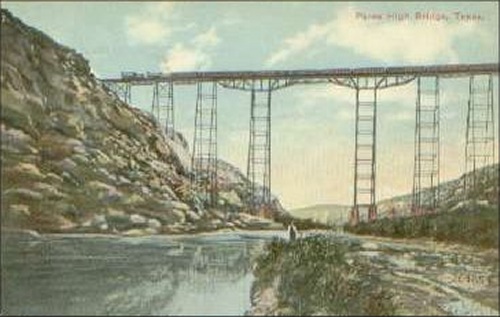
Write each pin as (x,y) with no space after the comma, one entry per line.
(212,274)
(157,275)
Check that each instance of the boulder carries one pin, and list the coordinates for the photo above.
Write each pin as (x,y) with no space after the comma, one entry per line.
(28,169)
(192,216)
(53,178)
(66,224)
(23,193)
(98,220)
(231,198)
(133,199)
(145,190)
(67,164)
(179,205)
(76,145)
(116,213)
(100,157)
(104,227)
(123,180)
(104,191)
(80,159)
(48,190)
(154,224)
(20,210)
(180,215)
(16,141)
(138,219)
(218,214)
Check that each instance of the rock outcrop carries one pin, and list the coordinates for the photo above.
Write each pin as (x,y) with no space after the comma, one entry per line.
(77,159)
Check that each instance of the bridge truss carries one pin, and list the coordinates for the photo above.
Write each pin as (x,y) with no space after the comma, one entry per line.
(163,106)
(204,157)
(366,82)
(480,129)
(427,147)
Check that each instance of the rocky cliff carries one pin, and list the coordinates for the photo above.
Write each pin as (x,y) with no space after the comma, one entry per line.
(75,158)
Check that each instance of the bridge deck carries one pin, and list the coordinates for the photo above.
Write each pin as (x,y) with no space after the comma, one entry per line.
(456,70)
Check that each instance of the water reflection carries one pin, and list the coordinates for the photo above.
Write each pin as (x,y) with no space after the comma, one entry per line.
(68,275)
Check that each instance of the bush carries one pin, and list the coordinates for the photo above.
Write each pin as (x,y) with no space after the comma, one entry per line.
(477,225)
(315,277)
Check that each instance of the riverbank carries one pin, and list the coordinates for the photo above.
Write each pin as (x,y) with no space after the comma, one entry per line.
(316,275)
(140,226)
(406,276)
(24,234)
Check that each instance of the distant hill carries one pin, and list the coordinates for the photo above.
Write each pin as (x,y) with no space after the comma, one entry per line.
(323,213)
(451,197)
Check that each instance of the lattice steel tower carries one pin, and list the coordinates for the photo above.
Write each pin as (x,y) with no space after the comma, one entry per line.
(480,130)
(425,195)
(259,149)
(365,155)
(204,158)
(163,106)
(122,90)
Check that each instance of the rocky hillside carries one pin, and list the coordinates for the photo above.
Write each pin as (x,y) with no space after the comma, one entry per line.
(77,159)
(451,198)
(451,193)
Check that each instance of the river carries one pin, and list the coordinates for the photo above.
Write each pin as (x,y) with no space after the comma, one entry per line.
(211,274)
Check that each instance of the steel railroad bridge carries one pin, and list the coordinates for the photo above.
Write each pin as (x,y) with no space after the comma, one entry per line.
(479,139)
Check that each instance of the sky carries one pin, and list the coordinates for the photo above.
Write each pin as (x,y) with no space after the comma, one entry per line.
(313,125)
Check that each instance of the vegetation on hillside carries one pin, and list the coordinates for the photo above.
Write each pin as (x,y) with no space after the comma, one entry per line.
(471,224)
(314,275)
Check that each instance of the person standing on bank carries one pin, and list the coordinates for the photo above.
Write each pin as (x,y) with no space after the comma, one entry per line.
(292,232)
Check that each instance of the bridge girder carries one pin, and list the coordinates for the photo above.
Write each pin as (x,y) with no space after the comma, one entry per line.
(377,82)
(256,85)
(366,80)
(295,76)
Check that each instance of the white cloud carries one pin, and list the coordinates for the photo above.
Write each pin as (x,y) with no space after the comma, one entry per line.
(144,31)
(298,43)
(407,41)
(152,25)
(207,39)
(157,22)
(192,56)
(182,58)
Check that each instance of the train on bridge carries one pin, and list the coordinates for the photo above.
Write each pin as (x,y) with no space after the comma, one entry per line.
(428,70)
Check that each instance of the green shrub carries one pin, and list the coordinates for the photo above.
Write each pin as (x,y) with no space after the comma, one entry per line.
(316,278)
(474,225)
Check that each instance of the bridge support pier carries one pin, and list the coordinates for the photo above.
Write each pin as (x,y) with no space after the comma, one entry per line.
(122,90)
(365,155)
(204,157)
(480,131)
(259,148)
(163,106)
(425,194)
